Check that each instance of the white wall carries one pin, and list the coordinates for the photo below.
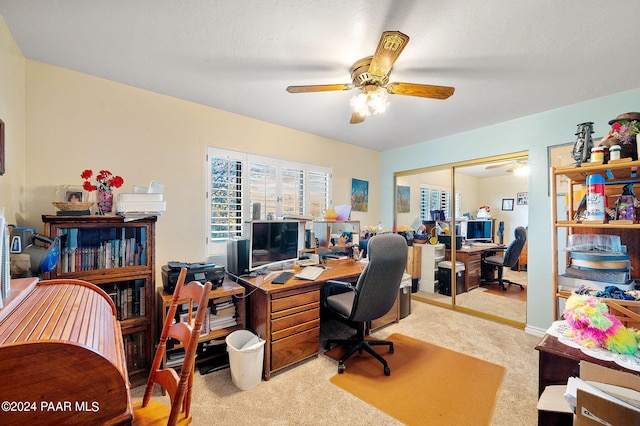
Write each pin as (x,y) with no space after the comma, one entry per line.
(12,113)
(534,134)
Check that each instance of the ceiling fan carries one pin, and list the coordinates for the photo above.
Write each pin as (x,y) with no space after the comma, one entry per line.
(371,75)
(512,166)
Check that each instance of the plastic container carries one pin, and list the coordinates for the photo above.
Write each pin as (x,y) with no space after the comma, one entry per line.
(595,197)
(597,154)
(614,152)
(246,355)
(405,296)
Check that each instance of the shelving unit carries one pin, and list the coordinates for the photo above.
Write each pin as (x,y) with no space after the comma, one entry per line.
(119,257)
(323,231)
(616,176)
(211,348)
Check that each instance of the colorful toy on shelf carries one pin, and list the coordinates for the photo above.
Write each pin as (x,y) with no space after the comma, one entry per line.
(592,326)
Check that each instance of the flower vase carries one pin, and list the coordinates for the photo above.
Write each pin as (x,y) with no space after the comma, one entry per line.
(105,202)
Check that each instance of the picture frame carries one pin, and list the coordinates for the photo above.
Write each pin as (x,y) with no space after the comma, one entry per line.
(2,164)
(507,204)
(403,199)
(522,198)
(359,195)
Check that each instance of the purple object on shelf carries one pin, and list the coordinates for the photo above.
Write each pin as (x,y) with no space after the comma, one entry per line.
(343,212)
(625,208)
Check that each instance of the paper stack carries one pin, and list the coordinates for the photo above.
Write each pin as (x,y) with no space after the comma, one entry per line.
(142,202)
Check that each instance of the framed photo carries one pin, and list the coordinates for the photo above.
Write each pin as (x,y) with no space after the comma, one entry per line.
(507,204)
(522,198)
(403,199)
(359,195)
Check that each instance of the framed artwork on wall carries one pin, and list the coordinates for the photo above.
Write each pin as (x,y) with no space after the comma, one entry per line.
(359,195)
(1,147)
(523,198)
(507,204)
(403,199)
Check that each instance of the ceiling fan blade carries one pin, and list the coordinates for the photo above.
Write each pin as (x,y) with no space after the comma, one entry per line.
(498,166)
(389,48)
(356,118)
(319,88)
(422,90)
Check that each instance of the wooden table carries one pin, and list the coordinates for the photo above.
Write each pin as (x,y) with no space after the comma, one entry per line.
(472,259)
(287,315)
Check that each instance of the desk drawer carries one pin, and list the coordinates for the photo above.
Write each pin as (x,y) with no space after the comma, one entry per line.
(295,300)
(295,348)
(292,324)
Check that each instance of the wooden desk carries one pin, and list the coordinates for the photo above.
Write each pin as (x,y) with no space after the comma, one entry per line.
(62,356)
(558,362)
(287,315)
(472,259)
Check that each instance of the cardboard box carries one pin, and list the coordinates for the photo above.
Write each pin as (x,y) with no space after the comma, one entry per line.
(595,410)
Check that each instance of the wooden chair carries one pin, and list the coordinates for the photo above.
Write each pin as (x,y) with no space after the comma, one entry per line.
(149,412)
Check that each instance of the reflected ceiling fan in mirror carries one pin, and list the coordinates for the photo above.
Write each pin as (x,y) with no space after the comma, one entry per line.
(371,75)
(519,167)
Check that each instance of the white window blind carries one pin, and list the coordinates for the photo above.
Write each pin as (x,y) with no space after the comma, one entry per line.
(437,198)
(240,181)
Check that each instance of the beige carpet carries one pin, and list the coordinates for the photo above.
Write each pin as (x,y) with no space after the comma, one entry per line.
(447,387)
(303,395)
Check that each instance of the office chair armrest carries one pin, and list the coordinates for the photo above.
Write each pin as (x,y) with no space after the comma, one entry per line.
(332,287)
(492,252)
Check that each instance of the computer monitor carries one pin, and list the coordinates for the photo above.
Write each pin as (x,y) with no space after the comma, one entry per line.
(272,242)
(479,230)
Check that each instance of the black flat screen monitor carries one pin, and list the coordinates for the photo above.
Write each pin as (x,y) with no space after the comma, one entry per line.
(479,230)
(272,242)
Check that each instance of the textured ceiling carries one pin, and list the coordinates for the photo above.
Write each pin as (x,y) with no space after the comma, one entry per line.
(506,59)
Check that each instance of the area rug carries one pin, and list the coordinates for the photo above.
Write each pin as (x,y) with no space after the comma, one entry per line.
(428,384)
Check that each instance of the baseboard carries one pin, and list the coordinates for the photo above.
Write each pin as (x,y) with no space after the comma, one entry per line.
(536,331)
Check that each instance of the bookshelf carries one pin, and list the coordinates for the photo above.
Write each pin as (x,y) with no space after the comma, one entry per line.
(225,314)
(119,257)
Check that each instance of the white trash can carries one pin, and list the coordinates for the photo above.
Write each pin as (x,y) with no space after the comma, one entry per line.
(246,354)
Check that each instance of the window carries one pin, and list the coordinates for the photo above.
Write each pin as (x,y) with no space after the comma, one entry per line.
(241,185)
(437,198)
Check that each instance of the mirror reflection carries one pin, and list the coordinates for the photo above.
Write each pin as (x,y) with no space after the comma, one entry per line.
(470,213)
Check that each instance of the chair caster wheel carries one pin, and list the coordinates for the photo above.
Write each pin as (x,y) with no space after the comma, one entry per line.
(340,369)
(387,371)
(391,350)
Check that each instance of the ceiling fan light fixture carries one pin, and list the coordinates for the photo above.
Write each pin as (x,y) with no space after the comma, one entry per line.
(522,170)
(371,102)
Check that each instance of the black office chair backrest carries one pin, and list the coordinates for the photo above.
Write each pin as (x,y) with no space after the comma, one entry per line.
(512,254)
(378,285)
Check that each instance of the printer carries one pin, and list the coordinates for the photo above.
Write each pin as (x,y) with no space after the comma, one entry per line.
(201,271)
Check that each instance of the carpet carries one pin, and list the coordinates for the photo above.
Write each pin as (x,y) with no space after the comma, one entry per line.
(428,384)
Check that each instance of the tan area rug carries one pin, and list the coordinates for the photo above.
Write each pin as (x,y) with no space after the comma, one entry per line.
(428,384)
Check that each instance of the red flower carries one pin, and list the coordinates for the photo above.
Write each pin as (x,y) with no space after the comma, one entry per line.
(616,126)
(105,181)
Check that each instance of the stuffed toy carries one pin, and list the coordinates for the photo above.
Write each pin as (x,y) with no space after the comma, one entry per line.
(592,326)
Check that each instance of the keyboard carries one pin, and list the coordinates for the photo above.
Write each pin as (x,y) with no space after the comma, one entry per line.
(282,277)
(310,273)
(481,244)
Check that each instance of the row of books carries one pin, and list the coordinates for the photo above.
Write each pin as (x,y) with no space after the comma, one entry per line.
(129,298)
(111,254)
(223,314)
(134,350)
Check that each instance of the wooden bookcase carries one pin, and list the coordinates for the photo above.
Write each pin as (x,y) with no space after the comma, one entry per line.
(119,257)
(616,176)
(211,347)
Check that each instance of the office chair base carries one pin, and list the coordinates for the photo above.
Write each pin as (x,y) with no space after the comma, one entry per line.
(359,346)
(501,283)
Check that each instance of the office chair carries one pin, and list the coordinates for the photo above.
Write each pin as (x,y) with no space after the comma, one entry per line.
(509,260)
(372,296)
(149,412)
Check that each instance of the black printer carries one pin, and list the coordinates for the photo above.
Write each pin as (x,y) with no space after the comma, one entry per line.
(201,271)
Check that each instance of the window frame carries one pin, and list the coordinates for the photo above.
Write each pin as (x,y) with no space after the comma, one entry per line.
(216,247)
